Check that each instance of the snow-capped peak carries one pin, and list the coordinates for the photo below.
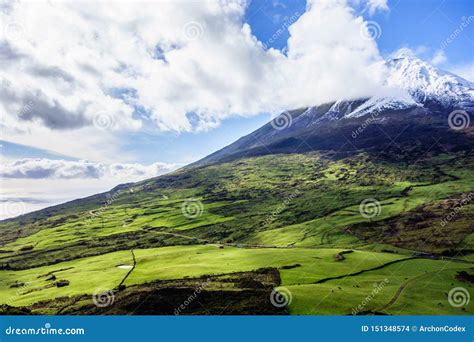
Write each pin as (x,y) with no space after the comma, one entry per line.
(423,81)
(412,82)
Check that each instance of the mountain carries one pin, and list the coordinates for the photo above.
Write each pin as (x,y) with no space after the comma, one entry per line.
(424,82)
(306,215)
(420,94)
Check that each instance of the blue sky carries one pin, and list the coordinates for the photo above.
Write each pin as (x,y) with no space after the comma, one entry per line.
(419,25)
(199,79)
(427,24)
(408,23)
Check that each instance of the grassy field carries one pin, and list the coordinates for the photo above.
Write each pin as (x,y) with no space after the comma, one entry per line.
(298,214)
(87,275)
(336,296)
(328,229)
(427,283)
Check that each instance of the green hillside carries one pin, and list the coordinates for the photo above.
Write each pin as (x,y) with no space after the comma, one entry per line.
(290,222)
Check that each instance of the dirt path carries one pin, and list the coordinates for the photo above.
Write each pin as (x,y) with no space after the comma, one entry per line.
(399,292)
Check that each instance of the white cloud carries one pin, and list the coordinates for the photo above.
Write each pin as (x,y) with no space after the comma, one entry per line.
(464,70)
(84,143)
(439,57)
(73,73)
(370,6)
(41,168)
(22,195)
(139,171)
(410,51)
(189,64)
(329,57)
(35,183)
(377,5)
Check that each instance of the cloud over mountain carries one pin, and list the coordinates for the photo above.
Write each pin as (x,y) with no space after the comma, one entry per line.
(185,65)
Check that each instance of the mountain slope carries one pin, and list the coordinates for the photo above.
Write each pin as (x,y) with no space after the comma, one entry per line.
(424,82)
(421,96)
(324,203)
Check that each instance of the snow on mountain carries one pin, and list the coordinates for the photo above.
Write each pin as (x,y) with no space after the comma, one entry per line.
(401,100)
(412,82)
(423,81)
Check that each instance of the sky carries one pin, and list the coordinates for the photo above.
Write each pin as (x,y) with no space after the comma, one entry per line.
(94,95)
